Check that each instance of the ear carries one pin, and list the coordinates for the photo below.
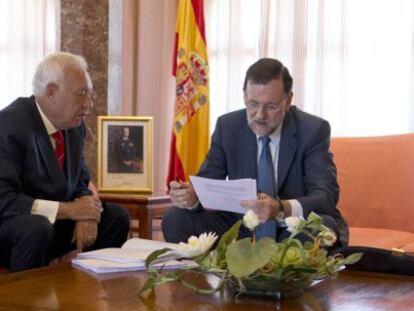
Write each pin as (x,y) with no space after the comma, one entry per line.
(288,101)
(51,89)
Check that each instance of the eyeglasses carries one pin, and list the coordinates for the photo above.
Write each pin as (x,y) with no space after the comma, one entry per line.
(85,93)
(274,107)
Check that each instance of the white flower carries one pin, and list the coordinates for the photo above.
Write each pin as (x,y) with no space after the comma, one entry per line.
(250,220)
(197,246)
(328,237)
(292,223)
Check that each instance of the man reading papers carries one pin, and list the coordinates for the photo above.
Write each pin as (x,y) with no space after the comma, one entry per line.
(285,149)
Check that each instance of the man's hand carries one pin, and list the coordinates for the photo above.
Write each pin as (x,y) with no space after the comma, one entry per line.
(85,234)
(265,207)
(182,194)
(84,208)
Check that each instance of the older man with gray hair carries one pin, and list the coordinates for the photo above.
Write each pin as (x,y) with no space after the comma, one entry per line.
(46,208)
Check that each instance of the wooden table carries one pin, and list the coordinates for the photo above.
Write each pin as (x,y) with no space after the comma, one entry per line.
(64,287)
(142,208)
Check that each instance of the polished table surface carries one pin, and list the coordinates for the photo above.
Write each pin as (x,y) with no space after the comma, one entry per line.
(63,287)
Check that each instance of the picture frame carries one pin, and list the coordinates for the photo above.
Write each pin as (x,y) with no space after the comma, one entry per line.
(125,154)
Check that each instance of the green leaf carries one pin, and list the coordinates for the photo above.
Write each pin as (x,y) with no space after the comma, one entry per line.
(213,256)
(154,256)
(205,260)
(296,254)
(313,221)
(215,270)
(292,272)
(149,285)
(353,258)
(244,257)
(313,217)
(227,238)
(308,245)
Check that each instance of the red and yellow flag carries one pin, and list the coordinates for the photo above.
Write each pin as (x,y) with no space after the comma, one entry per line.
(190,136)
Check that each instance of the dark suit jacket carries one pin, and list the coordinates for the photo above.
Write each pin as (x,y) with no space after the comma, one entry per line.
(28,167)
(306,171)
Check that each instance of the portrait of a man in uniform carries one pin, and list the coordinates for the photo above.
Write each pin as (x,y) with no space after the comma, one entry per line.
(127,149)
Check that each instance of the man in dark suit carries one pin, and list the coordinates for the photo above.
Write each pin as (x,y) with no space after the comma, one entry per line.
(46,208)
(302,168)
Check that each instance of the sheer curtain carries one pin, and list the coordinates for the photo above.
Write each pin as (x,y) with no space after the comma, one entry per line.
(351,61)
(28,31)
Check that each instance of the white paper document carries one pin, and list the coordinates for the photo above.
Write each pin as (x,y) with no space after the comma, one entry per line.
(224,195)
(107,266)
(130,257)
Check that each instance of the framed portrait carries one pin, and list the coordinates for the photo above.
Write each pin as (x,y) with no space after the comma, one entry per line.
(125,151)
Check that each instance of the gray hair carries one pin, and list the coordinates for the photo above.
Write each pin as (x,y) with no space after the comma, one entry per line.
(52,69)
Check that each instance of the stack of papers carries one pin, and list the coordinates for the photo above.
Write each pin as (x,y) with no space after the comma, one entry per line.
(130,257)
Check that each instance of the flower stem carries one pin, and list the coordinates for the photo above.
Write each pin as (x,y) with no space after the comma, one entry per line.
(282,258)
(204,290)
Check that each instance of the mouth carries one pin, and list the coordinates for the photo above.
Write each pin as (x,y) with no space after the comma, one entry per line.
(260,123)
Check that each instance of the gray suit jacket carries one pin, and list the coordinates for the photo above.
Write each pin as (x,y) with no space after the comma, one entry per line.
(306,171)
(28,166)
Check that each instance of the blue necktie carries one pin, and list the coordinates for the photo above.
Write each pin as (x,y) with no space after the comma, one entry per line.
(266,184)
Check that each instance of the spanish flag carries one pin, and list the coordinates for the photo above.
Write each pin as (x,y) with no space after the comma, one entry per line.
(190,135)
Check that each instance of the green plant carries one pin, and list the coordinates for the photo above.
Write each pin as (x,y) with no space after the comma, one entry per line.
(247,260)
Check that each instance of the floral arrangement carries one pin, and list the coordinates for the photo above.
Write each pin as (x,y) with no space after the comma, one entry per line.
(256,266)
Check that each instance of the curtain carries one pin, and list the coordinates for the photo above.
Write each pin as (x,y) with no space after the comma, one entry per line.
(351,61)
(28,32)
(148,86)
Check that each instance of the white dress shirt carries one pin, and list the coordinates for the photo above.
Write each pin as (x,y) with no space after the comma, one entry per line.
(46,208)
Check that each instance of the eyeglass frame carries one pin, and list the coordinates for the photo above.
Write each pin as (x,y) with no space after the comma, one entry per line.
(272,108)
(86,93)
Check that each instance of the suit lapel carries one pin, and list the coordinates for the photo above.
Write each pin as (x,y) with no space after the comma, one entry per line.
(288,146)
(72,159)
(48,156)
(49,160)
(46,151)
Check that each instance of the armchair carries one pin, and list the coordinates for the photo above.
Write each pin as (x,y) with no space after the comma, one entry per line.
(376,177)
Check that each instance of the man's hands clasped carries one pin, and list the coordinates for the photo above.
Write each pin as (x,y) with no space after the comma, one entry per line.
(86,212)
(84,208)
(85,234)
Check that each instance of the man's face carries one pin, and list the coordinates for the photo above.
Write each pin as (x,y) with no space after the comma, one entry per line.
(71,100)
(266,105)
(125,132)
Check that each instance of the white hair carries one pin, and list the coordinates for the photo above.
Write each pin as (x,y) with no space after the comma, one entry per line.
(52,69)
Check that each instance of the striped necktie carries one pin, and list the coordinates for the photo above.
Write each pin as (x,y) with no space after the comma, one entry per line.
(59,148)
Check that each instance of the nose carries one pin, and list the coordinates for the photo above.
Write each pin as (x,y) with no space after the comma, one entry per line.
(88,102)
(261,112)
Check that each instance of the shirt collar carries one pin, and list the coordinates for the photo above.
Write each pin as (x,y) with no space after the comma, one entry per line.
(50,128)
(275,135)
